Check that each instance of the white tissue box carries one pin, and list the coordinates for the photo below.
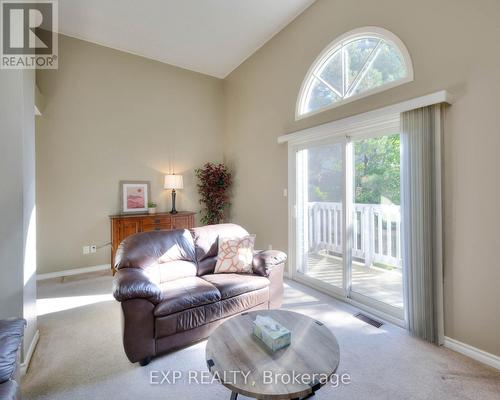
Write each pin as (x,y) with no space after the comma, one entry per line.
(274,335)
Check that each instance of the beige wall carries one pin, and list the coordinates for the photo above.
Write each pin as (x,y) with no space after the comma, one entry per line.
(112,116)
(454,45)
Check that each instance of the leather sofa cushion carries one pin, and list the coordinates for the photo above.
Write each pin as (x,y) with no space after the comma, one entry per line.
(195,317)
(185,293)
(187,319)
(145,249)
(230,285)
(243,302)
(11,335)
(170,271)
(206,243)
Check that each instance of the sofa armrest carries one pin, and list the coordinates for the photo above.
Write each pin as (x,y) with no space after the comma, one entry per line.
(134,283)
(264,261)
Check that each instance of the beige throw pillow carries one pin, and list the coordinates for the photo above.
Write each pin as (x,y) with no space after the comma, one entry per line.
(235,255)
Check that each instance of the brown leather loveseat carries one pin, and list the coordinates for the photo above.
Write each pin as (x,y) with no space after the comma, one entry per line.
(170,296)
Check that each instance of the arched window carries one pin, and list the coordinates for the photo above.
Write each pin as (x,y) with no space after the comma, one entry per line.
(358,64)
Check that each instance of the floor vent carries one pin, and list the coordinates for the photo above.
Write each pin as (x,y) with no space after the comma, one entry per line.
(368,320)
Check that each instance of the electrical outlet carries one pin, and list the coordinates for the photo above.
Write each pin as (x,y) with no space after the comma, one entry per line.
(86,250)
(93,248)
(270,247)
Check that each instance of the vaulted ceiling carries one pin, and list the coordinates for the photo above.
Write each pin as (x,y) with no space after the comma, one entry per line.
(208,36)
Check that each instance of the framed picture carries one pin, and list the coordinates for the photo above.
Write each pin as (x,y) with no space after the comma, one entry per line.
(134,196)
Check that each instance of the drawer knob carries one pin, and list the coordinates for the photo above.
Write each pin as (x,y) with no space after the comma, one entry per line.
(157,229)
(157,221)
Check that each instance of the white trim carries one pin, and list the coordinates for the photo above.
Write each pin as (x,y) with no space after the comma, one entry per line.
(23,368)
(373,31)
(363,129)
(292,211)
(73,271)
(472,352)
(347,208)
(370,117)
(438,206)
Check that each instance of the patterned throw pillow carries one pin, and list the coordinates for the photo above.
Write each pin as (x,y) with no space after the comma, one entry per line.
(235,255)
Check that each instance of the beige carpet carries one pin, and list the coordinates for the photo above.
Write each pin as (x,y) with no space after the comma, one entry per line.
(80,355)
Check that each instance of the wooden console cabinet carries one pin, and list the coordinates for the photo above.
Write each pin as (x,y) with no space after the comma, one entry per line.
(123,226)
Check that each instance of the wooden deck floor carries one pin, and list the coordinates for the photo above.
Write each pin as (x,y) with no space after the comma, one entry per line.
(382,285)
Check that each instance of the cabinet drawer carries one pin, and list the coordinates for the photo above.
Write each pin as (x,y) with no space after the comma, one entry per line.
(156,227)
(157,219)
(181,223)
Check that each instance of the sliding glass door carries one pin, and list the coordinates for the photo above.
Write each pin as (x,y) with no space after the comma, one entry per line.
(376,224)
(320,226)
(357,255)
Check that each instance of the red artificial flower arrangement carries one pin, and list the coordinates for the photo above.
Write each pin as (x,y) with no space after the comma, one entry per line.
(213,185)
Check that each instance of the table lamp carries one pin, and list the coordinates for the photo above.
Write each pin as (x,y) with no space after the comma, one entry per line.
(173,182)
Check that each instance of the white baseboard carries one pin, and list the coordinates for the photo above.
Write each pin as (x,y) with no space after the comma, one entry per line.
(26,363)
(472,352)
(74,271)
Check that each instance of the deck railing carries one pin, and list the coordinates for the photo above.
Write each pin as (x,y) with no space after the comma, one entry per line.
(376,231)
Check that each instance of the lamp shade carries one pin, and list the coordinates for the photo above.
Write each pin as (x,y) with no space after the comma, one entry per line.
(173,182)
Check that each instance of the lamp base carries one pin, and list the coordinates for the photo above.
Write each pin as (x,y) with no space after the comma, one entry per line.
(173,211)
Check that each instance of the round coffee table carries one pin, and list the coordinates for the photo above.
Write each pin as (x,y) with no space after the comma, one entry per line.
(245,366)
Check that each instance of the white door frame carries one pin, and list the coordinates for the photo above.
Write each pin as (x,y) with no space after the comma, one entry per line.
(293,149)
